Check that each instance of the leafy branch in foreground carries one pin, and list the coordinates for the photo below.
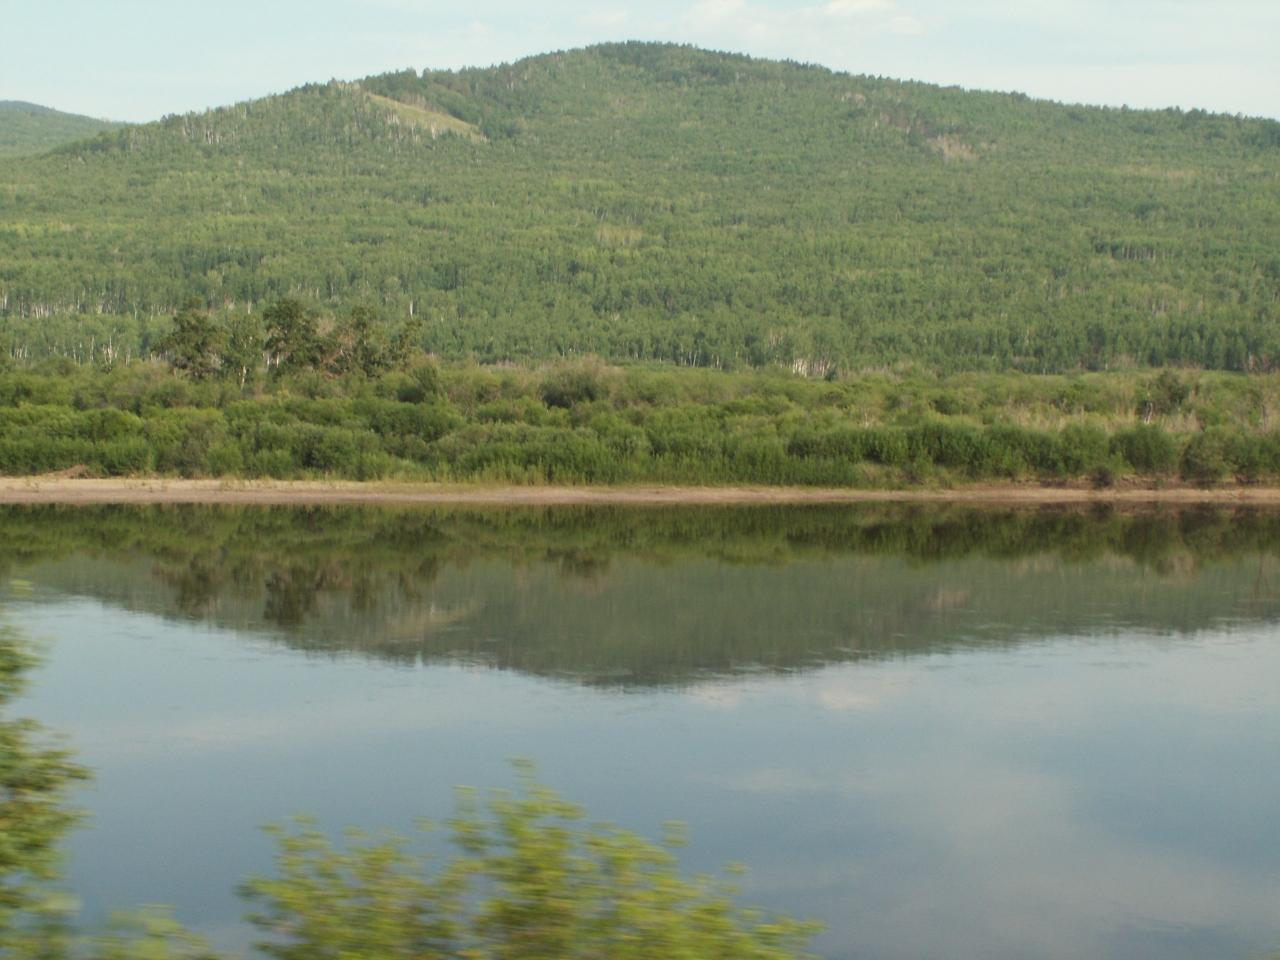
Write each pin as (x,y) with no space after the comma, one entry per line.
(528,879)
(34,778)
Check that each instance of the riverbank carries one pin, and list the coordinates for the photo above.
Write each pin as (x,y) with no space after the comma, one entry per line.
(56,489)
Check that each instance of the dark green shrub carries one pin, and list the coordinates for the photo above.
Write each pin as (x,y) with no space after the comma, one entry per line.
(419,384)
(274,462)
(695,433)
(1147,449)
(107,425)
(326,411)
(850,444)
(1205,459)
(167,393)
(1163,395)
(1083,449)
(753,459)
(947,403)
(328,449)
(225,460)
(953,445)
(623,440)
(25,455)
(180,439)
(392,419)
(130,456)
(570,386)
(887,445)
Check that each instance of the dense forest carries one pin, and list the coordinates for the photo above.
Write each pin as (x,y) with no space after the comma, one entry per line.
(648,202)
(28,128)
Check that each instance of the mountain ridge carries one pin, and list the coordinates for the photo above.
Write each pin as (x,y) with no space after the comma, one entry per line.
(659,202)
(31,128)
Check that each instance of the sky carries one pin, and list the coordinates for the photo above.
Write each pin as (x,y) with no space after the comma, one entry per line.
(141,59)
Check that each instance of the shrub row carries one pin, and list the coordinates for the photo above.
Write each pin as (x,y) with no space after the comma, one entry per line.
(371,437)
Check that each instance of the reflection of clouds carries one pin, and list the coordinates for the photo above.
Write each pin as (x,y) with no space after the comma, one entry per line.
(843,688)
(1073,683)
(993,860)
(967,804)
(844,697)
(997,845)
(297,725)
(1017,860)
(780,781)
(417,623)
(716,695)
(862,687)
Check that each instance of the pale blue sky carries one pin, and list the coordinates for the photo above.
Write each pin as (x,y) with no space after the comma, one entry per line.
(140,59)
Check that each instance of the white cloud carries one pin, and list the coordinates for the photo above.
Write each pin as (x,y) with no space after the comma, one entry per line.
(1230,88)
(1215,54)
(605,19)
(856,8)
(733,20)
(907,26)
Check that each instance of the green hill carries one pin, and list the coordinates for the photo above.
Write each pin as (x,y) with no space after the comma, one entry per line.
(655,202)
(28,128)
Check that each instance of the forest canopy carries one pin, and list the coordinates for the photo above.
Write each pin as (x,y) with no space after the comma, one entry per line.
(650,202)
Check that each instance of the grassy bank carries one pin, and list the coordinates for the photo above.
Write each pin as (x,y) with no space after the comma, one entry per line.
(585,422)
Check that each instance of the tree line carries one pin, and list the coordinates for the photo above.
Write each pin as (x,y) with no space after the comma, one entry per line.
(283,394)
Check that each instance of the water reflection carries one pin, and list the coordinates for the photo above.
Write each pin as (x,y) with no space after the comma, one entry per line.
(588,593)
(945,733)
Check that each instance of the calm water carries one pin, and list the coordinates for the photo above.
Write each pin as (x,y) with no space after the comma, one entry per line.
(942,733)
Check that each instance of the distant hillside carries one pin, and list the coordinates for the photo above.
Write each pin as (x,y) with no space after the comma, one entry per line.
(28,128)
(666,203)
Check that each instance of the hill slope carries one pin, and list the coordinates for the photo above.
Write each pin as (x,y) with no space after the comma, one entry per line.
(660,202)
(28,128)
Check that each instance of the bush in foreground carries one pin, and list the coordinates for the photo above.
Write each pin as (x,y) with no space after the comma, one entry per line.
(527,880)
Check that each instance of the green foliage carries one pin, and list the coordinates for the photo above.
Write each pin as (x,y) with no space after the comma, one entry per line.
(1164,395)
(243,346)
(1148,449)
(662,203)
(421,384)
(583,421)
(527,881)
(569,386)
(34,778)
(194,343)
(1208,456)
(359,344)
(292,338)
(150,934)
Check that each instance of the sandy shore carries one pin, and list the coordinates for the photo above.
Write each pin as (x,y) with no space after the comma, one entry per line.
(18,490)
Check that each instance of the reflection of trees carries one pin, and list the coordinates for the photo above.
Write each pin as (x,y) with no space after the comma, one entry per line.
(735,588)
(578,564)
(195,585)
(291,595)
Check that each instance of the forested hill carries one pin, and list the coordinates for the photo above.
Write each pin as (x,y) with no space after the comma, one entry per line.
(28,128)
(661,202)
